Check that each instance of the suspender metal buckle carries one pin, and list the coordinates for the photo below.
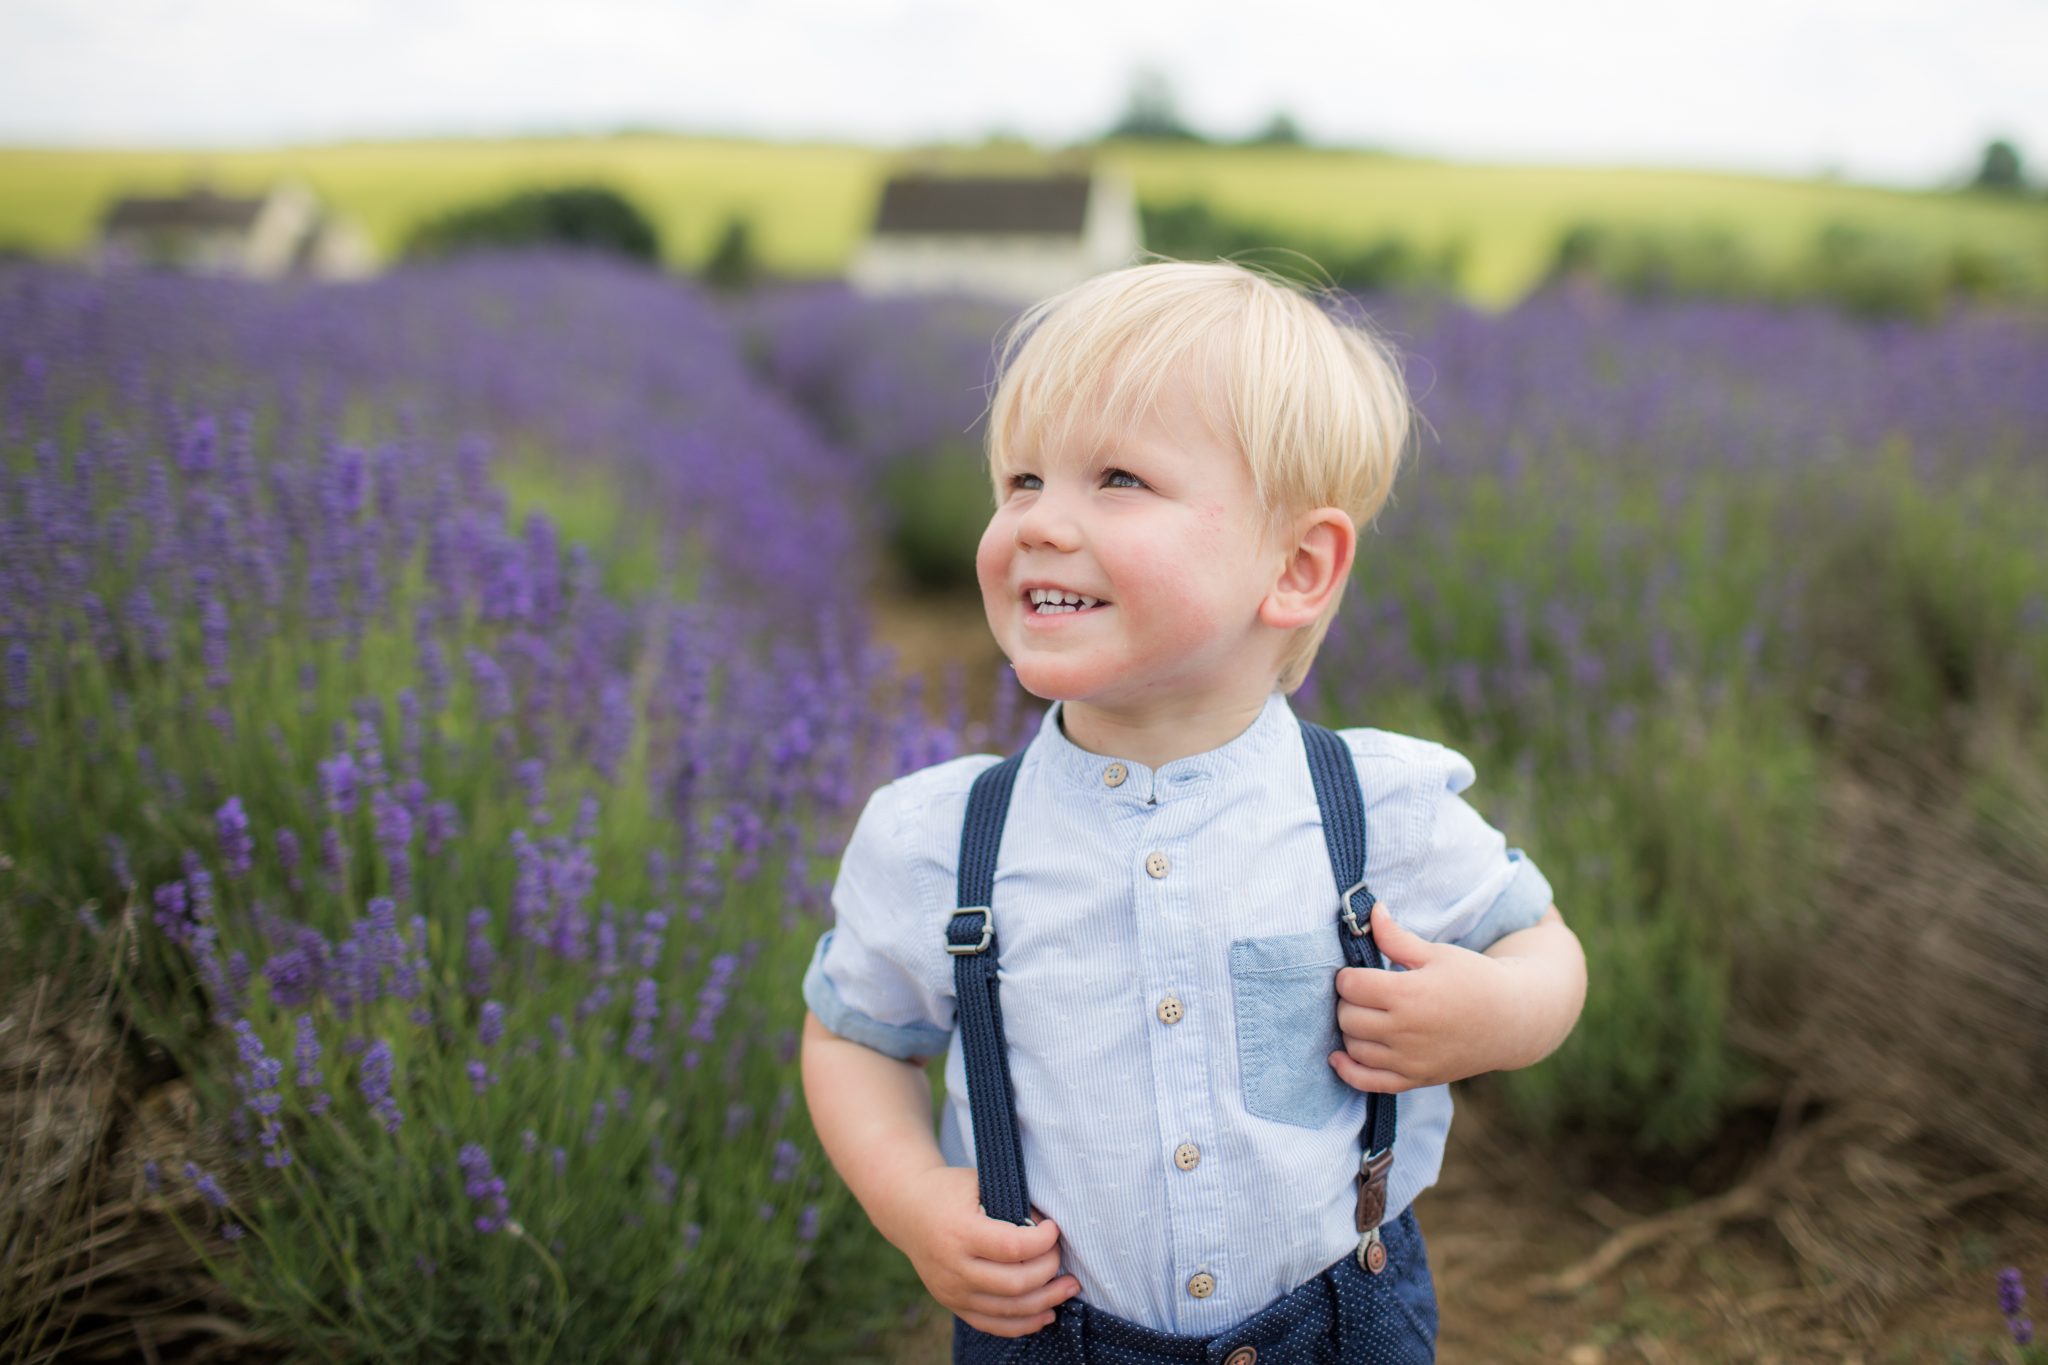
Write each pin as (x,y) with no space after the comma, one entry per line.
(1372,1207)
(1349,916)
(988,931)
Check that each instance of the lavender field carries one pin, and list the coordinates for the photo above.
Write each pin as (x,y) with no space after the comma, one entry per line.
(433,707)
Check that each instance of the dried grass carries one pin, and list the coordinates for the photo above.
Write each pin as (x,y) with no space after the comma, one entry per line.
(1915,1064)
(91,1266)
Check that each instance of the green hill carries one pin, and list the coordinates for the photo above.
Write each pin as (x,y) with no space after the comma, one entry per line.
(810,204)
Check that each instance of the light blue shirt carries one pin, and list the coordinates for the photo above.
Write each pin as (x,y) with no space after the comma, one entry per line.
(1204,882)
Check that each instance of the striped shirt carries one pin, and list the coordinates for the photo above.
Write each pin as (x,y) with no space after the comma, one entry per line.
(1168,958)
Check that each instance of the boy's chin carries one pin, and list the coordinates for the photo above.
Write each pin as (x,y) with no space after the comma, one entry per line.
(1056,680)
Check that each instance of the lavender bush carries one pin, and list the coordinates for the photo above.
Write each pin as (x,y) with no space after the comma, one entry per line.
(446,696)
(466,889)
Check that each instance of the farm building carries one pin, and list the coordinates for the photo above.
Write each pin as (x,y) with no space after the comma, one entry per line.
(1009,237)
(285,232)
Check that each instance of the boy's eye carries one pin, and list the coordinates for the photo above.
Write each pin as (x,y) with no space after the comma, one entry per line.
(1122,478)
(1025,481)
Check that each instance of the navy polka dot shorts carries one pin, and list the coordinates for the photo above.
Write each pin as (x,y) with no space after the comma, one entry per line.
(1344,1316)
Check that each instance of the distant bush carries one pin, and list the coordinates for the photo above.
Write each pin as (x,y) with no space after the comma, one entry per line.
(1192,230)
(936,504)
(732,264)
(589,216)
(1865,273)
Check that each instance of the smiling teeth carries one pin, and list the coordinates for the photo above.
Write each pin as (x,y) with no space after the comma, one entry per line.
(1051,600)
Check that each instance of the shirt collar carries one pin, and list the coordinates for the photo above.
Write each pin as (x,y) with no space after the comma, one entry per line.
(1100,772)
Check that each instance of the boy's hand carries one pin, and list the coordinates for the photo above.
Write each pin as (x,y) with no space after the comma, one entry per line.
(1000,1278)
(1454,1013)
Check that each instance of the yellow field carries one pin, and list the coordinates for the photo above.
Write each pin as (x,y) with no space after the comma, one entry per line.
(810,204)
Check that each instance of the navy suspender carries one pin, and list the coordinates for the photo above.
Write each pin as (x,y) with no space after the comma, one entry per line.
(971,938)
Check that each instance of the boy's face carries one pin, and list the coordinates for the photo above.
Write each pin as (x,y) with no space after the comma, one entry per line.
(1160,526)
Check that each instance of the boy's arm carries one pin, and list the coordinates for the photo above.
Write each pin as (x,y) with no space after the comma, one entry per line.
(1456,1013)
(873,1114)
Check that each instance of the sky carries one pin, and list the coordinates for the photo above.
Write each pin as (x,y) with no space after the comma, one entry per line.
(1876,91)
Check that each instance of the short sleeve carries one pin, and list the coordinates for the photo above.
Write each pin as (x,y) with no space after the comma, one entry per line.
(863,981)
(1464,885)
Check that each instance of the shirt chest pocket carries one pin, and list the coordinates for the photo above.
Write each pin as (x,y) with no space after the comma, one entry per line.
(1285,991)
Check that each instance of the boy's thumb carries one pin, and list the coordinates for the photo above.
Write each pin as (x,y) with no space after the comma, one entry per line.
(1394,940)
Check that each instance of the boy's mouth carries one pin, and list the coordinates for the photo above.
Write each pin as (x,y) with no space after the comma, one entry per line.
(1058,601)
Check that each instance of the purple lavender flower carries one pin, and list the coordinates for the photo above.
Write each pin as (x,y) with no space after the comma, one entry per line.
(338,784)
(394,839)
(787,1158)
(2022,1331)
(479,957)
(370,753)
(2012,1291)
(532,777)
(376,1084)
(213,642)
(288,857)
(807,1224)
(481,1077)
(712,996)
(152,1177)
(18,679)
(646,1009)
(493,689)
(173,914)
(258,1081)
(208,1189)
(490,1023)
(307,1054)
(442,825)
(647,942)
(529,890)
(236,847)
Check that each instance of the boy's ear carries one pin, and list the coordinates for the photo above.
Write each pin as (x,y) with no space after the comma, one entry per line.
(1318,547)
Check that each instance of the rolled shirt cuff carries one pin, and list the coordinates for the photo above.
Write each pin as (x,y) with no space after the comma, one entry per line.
(901,1041)
(1521,906)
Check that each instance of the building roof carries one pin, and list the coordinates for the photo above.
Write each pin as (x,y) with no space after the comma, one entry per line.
(1035,204)
(202,208)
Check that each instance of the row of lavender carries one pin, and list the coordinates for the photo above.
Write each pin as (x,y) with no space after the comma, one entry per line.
(468,893)
(1649,562)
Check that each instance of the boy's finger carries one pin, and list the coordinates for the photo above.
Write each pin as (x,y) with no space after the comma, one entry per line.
(1008,1279)
(1035,1300)
(1356,1022)
(1372,987)
(1367,1078)
(1373,1056)
(1001,1241)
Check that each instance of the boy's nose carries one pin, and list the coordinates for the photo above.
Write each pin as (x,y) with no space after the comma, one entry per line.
(1049,523)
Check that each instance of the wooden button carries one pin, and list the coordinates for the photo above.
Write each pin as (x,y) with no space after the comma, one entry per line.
(1202,1285)
(1187,1156)
(1170,1011)
(1243,1355)
(1156,864)
(1376,1257)
(1114,775)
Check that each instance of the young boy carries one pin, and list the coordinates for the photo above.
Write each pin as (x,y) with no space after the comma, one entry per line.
(1195,1090)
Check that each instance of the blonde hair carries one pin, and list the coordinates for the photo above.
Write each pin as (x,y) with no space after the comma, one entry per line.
(1316,403)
